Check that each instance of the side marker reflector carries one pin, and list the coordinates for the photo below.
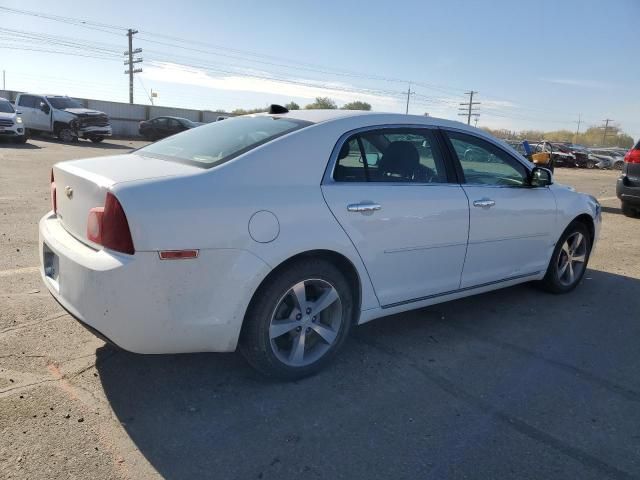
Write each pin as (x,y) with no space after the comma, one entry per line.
(178,254)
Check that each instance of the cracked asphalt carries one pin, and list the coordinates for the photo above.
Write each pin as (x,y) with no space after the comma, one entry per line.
(515,383)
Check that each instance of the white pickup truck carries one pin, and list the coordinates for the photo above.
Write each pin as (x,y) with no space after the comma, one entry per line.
(62,116)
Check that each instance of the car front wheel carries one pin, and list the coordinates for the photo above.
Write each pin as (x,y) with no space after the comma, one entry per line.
(298,320)
(569,260)
(66,135)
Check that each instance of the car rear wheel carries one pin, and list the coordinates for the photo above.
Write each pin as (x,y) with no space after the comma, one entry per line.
(96,139)
(298,321)
(569,260)
(618,165)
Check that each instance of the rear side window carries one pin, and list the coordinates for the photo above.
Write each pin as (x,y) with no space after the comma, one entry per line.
(217,142)
(391,155)
(27,101)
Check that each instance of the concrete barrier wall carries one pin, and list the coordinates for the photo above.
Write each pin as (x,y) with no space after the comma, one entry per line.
(125,117)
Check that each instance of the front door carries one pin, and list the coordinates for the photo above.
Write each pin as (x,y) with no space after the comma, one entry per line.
(394,196)
(511,224)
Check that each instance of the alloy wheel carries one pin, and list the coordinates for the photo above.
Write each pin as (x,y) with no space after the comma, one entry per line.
(305,323)
(572,259)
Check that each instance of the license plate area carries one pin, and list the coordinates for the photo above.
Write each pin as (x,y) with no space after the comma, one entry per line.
(51,263)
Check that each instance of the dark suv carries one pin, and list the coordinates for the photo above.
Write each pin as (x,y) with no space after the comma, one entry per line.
(628,187)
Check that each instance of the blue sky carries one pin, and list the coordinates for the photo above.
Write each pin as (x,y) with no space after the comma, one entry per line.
(535,64)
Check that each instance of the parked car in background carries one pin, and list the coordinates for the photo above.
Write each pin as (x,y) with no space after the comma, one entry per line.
(628,186)
(616,156)
(280,232)
(580,153)
(162,127)
(11,125)
(62,116)
(605,158)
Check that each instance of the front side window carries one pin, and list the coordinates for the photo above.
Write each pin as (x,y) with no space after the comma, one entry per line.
(399,155)
(484,164)
(6,107)
(217,142)
(28,101)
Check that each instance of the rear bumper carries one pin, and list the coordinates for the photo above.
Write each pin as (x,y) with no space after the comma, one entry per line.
(147,305)
(626,192)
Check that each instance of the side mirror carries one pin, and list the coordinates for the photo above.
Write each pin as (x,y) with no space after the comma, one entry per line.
(44,107)
(541,177)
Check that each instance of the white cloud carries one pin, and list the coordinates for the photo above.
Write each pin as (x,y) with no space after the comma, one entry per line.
(572,82)
(294,87)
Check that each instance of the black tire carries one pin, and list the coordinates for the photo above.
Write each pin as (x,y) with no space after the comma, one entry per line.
(255,342)
(20,139)
(618,165)
(552,281)
(628,210)
(96,139)
(590,164)
(66,135)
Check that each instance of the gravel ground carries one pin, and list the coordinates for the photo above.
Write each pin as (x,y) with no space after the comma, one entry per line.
(511,384)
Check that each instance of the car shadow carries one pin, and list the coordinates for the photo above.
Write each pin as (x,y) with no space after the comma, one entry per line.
(614,210)
(81,143)
(211,415)
(19,146)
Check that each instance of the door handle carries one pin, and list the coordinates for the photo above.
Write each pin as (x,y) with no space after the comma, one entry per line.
(363,207)
(484,203)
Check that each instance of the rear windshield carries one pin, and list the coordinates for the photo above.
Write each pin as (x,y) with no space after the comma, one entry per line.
(215,143)
(6,107)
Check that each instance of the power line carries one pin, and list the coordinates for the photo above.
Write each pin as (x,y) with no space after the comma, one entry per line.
(471,111)
(606,127)
(131,71)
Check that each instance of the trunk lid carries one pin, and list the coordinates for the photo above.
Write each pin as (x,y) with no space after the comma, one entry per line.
(83,184)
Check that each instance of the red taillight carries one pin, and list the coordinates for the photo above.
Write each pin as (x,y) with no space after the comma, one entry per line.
(108,226)
(52,189)
(632,156)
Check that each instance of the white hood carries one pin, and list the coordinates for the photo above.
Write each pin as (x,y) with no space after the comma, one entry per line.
(83,111)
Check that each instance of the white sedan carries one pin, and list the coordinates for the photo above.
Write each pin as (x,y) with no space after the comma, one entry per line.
(278,232)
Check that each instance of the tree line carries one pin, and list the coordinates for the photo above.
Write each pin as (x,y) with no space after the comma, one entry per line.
(592,137)
(320,103)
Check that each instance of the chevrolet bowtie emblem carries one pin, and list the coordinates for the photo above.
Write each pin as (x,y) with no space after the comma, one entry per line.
(68,191)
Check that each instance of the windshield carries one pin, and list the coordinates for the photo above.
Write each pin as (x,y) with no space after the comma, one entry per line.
(6,107)
(215,143)
(60,103)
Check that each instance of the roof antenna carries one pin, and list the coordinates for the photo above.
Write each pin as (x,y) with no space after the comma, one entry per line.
(276,109)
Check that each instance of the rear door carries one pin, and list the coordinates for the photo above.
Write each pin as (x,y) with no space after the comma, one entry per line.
(395,197)
(511,224)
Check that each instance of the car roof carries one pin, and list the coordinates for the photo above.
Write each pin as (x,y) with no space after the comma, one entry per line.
(322,116)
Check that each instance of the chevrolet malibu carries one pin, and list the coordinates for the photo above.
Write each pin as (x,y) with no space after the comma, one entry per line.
(277,233)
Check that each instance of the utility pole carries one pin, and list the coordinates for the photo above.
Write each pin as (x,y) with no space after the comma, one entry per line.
(475,122)
(409,93)
(469,107)
(131,61)
(4,78)
(579,121)
(606,127)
